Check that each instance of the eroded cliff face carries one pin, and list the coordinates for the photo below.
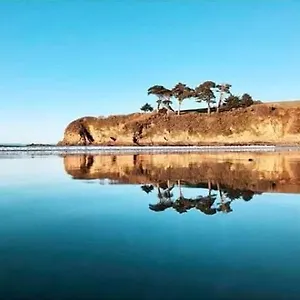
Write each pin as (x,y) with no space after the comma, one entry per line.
(257,172)
(258,124)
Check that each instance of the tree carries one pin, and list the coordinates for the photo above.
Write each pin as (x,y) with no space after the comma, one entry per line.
(157,90)
(163,94)
(178,91)
(167,94)
(147,107)
(235,101)
(232,102)
(246,100)
(204,92)
(181,91)
(223,89)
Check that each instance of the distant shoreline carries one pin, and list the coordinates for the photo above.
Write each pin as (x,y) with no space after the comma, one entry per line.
(26,145)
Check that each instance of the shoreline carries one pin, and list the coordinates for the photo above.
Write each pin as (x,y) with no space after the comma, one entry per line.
(143,149)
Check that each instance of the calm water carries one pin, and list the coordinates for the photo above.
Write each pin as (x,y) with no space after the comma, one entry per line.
(163,227)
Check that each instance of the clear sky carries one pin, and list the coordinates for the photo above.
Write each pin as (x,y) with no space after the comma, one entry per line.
(60,60)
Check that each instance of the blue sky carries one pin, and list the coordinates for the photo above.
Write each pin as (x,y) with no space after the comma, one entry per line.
(60,60)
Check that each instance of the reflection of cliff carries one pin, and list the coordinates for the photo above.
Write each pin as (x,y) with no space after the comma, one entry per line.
(257,172)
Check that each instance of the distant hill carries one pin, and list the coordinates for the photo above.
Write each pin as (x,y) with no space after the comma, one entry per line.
(294,103)
(11,145)
(25,145)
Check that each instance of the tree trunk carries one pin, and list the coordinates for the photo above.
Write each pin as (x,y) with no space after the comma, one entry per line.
(220,101)
(180,191)
(179,108)
(220,193)
(208,108)
(218,187)
(159,194)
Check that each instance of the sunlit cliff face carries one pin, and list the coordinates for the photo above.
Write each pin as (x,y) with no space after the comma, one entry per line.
(258,124)
(257,172)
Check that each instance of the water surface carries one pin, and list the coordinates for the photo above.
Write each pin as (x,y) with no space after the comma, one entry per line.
(195,226)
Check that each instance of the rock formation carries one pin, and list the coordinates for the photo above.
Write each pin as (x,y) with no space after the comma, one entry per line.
(258,124)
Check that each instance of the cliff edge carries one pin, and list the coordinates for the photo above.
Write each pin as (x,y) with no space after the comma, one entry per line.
(258,124)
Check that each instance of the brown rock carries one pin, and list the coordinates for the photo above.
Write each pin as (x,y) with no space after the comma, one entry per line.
(259,125)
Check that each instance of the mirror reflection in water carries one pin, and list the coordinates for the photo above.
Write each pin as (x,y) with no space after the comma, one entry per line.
(225,224)
(222,178)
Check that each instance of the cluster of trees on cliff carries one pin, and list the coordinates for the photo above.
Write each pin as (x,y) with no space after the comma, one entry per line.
(204,92)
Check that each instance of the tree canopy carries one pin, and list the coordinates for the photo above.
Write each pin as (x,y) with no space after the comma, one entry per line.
(181,91)
(147,108)
(163,94)
(204,92)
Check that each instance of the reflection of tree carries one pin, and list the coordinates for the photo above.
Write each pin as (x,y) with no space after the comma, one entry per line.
(167,192)
(206,204)
(164,194)
(182,204)
(234,194)
(224,207)
(160,206)
(247,195)
(224,204)
(147,188)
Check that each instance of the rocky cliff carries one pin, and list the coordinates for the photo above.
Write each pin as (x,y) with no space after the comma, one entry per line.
(258,124)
